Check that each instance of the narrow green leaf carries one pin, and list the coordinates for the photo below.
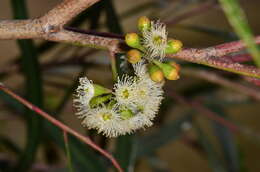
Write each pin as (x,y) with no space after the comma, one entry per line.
(226,140)
(213,157)
(13,104)
(32,74)
(83,158)
(237,19)
(67,149)
(9,144)
(125,151)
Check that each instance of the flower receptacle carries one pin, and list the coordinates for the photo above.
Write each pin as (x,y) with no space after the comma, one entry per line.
(175,65)
(168,70)
(155,73)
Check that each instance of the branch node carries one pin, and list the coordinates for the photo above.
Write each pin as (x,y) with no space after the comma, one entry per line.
(49,29)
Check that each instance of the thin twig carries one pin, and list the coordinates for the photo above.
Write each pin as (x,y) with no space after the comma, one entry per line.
(62,126)
(208,5)
(211,115)
(65,11)
(239,58)
(215,117)
(217,79)
(255,81)
(209,57)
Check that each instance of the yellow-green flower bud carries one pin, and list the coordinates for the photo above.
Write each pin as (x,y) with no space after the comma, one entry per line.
(126,114)
(99,90)
(173,46)
(133,40)
(169,71)
(134,56)
(95,101)
(155,73)
(144,23)
(175,65)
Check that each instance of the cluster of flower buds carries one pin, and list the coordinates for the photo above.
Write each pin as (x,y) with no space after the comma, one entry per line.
(133,103)
(135,100)
(153,44)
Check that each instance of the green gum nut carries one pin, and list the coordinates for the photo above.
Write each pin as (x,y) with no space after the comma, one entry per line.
(99,90)
(169,71)
(133,56)
(95,101)
(133,40)
(126,114)
(173,46)
(144,23)
(155,73)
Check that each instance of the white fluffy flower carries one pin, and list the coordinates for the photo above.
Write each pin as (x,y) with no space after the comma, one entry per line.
(124,90)
(138,94)
(146,89)
(147,96)
(155,40)
(136,122)
(85,92)
(105,121)
(140,69)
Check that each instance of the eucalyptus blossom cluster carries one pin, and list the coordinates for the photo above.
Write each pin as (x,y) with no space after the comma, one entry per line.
(132,103)
(152,44)
(134,100)
(152,40)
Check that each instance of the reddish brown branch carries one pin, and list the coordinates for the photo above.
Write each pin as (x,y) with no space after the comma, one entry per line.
(20,29)
(239,58)
(81,39)
(65,11)
(62,126)
(49,27)
(46,28)
(210,57)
